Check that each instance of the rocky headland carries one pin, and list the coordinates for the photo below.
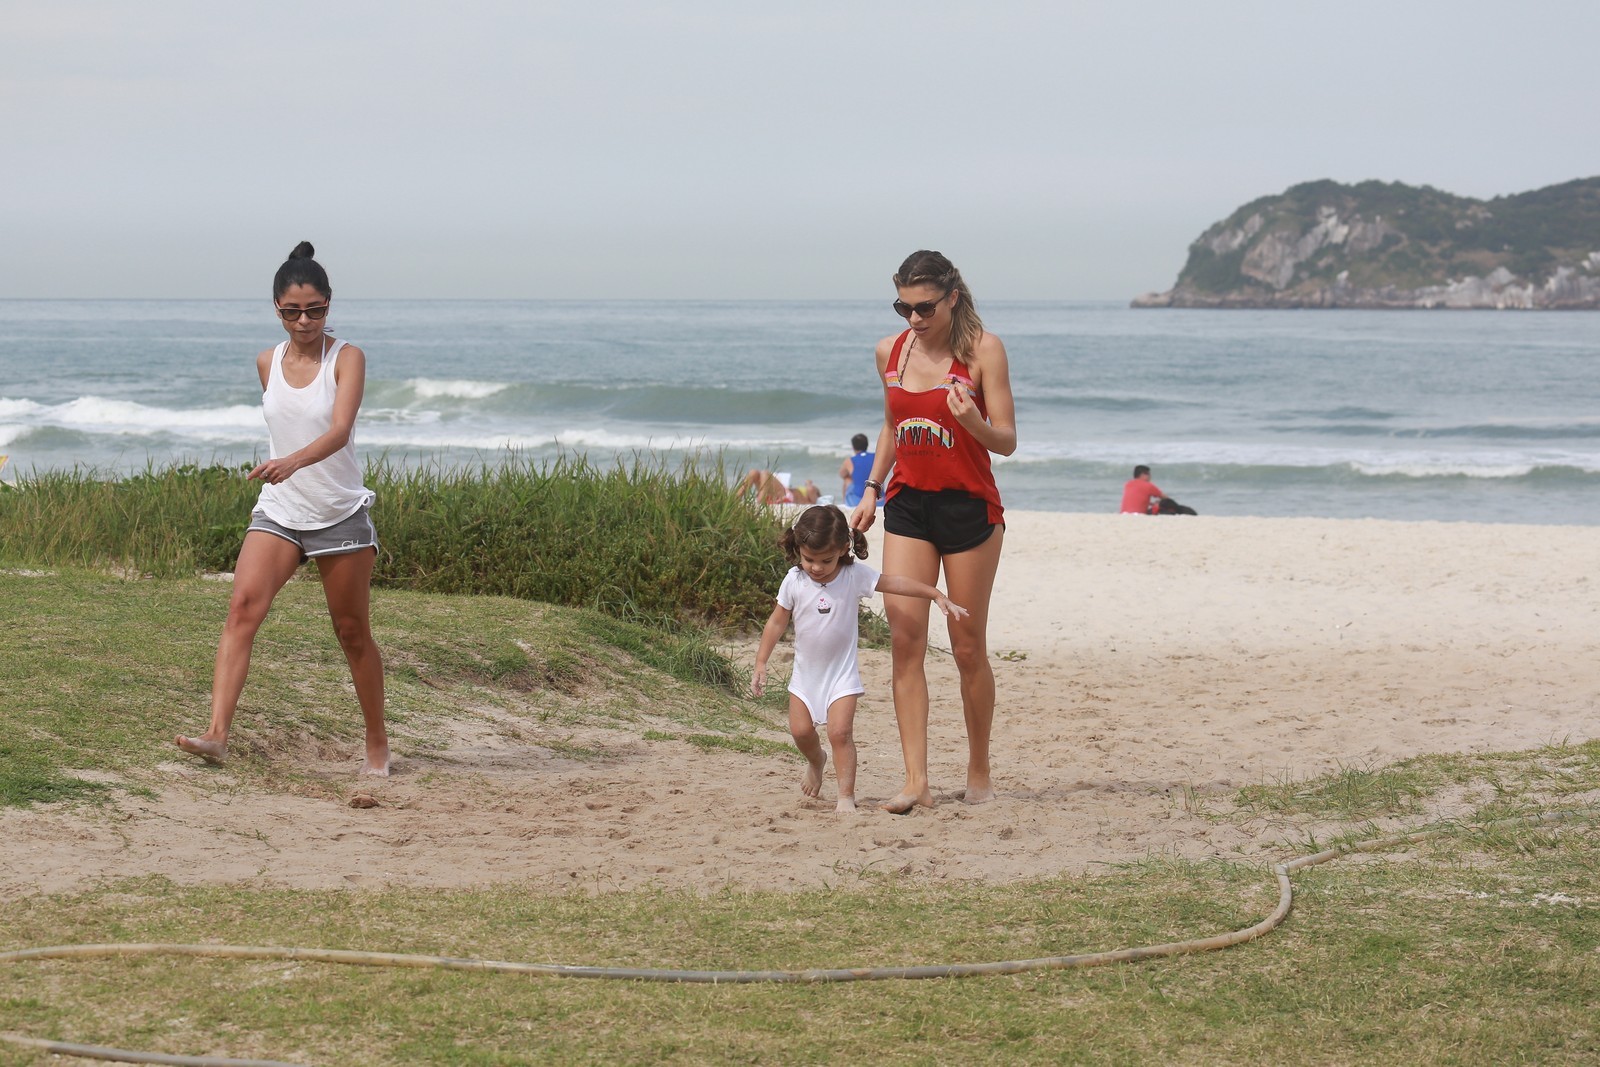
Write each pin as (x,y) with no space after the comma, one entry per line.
(1389,245)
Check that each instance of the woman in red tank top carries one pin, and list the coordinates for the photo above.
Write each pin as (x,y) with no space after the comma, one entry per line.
(947,405)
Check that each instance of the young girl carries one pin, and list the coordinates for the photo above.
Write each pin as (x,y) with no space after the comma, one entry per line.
(820,593)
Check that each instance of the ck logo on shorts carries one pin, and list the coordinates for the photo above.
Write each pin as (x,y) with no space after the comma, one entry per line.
(823,607)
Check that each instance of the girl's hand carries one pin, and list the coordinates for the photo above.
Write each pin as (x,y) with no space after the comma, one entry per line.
(758,680)
(951,611)
(274,471)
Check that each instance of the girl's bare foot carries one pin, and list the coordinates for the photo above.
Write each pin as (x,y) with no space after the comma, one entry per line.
(846,804)
(811,784)
(210,751)
(905,801)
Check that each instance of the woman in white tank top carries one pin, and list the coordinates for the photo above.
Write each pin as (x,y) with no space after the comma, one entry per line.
(312,506)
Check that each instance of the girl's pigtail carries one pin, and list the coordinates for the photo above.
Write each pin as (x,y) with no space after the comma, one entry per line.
(791,549)
(858,541)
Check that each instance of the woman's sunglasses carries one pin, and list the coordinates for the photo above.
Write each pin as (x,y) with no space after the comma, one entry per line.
(293,314)
(924,310)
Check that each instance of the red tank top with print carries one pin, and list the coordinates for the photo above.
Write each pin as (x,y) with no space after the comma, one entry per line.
(932,451)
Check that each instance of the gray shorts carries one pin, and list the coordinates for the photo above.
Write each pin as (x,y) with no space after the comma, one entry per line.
(347,535)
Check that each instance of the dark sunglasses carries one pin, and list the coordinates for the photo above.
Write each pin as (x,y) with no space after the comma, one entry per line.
(315,314)
(924,310)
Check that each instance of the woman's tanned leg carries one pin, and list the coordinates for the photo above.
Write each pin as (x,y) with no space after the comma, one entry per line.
(908,628)
(347,584)
(266,562)
(970,577)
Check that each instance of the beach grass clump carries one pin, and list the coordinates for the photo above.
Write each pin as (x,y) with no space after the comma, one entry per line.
(169,521)
(636,540)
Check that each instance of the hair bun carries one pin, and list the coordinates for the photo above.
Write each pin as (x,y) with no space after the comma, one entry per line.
(303,250)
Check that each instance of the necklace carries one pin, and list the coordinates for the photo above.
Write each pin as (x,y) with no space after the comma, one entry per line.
(318,357)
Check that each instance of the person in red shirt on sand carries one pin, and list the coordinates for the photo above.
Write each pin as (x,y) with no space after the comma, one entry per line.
(1141,496)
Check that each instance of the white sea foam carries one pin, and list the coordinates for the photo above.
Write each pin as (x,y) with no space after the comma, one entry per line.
(1443,469)
(462,389)
(398,416)
(11,433)
(475,439)
(1481,463)
(126,416)
(14,409)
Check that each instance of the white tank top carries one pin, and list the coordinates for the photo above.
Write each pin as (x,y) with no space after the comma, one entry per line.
(324,493)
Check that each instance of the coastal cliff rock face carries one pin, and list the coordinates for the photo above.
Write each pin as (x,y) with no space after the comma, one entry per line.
(1388,245)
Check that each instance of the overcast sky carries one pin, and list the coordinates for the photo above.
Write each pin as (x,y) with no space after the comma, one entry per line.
(736,149)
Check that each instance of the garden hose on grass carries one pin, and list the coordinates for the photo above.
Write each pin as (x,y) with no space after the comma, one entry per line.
(840,974)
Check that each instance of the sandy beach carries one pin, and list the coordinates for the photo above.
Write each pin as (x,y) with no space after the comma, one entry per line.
(1146,669)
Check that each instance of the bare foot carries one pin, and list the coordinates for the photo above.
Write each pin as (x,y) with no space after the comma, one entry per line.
(846,804)
(904,802)
(978,794)
(376,764)
(811,784)
(210,751)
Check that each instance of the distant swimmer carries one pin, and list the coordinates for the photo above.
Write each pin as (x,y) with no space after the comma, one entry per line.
(1141,496)
(312,506)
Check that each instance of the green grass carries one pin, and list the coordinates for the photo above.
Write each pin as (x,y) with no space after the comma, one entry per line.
(1406,787)
(1474,949)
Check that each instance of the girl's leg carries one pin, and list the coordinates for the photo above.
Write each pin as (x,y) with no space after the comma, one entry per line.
(908,628)
(842,739)
(804,732)
(347,585)
(970,579)
(266,562)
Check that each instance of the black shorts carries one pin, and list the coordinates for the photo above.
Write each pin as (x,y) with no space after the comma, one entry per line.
(954,521)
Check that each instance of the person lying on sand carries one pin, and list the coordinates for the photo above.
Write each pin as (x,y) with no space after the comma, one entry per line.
(769,487)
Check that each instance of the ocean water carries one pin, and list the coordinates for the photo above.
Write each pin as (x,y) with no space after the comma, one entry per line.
(1454,416)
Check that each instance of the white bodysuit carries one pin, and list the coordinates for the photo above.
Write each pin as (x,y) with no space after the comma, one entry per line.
(825,634)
